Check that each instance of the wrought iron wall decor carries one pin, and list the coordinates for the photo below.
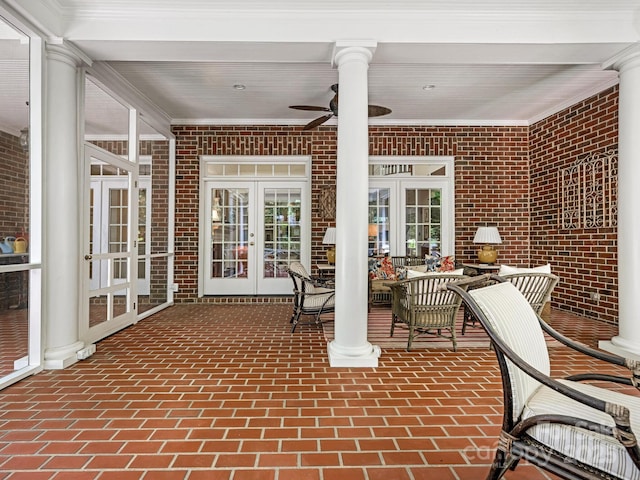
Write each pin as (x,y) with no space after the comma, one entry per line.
(328,203)
(588,191)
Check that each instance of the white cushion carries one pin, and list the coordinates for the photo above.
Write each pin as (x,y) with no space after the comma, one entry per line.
(513,319)
(508,270)
(591,448)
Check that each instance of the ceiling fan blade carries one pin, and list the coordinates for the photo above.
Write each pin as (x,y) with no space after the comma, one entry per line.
(376,111)
(317,121)
(309,107)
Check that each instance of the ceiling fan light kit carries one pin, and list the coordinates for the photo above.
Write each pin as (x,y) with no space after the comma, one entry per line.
(332,110)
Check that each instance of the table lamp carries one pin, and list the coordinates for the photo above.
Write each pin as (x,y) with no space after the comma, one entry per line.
(488,237)
(330,239)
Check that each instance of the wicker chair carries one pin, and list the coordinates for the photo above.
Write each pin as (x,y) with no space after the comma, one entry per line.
(535,286)
(423,306)
(311,295)
(575,430)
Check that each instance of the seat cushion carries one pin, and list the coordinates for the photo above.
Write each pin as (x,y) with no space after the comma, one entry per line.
(322,298)
(591,448)
(380,285)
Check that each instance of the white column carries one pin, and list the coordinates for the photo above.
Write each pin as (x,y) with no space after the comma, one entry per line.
(61,210)
(627,342)
(350,347)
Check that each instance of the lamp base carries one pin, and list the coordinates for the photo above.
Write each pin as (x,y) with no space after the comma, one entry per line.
(331,256)
(487,254)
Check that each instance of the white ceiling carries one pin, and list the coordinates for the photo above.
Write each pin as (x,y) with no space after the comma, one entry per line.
(508,62)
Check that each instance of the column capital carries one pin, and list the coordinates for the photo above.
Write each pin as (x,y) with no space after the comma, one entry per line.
(64,51)
(627,58)
(363,49)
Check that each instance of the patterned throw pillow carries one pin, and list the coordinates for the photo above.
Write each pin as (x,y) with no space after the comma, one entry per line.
(440,264)
(383,269)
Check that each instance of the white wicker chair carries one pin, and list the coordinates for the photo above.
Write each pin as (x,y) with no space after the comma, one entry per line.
(575,430)
(311,296)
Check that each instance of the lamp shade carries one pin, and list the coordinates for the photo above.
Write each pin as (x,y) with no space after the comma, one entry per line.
(487,235)
(329,236)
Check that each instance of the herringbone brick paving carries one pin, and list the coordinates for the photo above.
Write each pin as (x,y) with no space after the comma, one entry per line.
(222,392)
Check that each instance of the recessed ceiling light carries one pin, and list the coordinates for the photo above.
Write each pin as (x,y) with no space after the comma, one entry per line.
(239,86)
(428,87)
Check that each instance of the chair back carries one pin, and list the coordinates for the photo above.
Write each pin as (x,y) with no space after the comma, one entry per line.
(429,303)
(298,274)
(506,314)
(535,286)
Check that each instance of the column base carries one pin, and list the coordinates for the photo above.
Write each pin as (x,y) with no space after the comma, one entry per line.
(366,356)
(621,347)
(62,357)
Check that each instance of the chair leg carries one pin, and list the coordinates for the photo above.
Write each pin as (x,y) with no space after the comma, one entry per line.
(502,462)
(295,321)
(393,324)
(454,339)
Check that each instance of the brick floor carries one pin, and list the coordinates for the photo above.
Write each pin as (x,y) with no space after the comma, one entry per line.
(225,392)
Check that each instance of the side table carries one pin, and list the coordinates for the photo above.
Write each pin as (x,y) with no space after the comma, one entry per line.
(482,268)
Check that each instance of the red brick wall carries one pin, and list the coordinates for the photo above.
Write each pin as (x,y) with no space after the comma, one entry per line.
(492,179)
(14,194)
(584,259)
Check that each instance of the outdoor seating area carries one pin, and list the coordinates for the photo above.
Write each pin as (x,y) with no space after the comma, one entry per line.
(231,394)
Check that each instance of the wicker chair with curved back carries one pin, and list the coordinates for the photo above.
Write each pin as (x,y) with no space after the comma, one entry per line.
(423,306)
(311,295)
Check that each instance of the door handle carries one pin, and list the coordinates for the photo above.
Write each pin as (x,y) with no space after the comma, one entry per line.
(88,257)
(251,244)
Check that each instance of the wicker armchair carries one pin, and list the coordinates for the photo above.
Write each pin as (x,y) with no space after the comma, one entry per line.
(575,430)
(311,296)
(423,306)
(536,288)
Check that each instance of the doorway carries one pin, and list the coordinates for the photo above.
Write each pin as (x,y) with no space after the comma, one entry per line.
(252,229)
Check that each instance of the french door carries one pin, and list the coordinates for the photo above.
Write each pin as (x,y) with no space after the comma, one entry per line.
(410,217)
(253,230)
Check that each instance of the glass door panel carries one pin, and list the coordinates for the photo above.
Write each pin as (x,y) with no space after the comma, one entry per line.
(423,224)
(379,221)
(230,239)
(231,234)
(281,235)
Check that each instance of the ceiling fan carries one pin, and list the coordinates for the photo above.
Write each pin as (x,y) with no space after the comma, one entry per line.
(374,110)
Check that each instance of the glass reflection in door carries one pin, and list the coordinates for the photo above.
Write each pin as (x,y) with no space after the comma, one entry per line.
(423,221)
(230,233)
(379,222)
(282,241)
